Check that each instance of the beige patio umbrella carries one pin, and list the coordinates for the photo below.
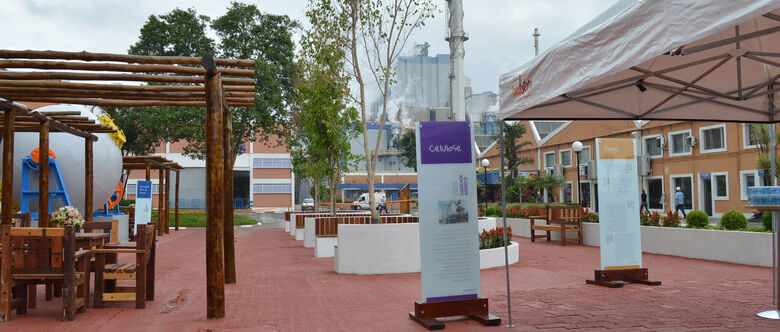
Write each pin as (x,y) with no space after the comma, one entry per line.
(659,60)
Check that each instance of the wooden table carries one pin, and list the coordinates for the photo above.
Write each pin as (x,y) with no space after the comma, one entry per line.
(91,240)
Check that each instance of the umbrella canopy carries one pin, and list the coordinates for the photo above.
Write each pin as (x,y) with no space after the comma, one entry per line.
(656,60)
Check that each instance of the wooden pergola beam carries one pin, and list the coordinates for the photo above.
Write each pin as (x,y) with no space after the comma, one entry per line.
(128,103)
(116,87)
(22,92)
(87,56)
(80,76)
(118,67)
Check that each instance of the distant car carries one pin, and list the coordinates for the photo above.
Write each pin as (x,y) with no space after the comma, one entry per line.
(308,204)
(362,202)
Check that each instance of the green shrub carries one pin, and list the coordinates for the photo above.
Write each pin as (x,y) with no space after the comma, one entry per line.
(492,212)
(126,202)
(766,219)
(697,219)
(733,220)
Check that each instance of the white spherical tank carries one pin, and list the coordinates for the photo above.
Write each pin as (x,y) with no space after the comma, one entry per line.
(69,149)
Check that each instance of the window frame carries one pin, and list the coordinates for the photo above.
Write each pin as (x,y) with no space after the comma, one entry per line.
(582,153)
(570,184)
(670,143)
(571,157)
(715,186)
(672,200)
(644,145)
(544,156)
(745,137)
(743,183)
(713,127)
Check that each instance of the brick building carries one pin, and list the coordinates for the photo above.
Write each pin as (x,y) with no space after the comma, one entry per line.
(712,162)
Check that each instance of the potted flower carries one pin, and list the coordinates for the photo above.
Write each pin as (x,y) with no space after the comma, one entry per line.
(68,215)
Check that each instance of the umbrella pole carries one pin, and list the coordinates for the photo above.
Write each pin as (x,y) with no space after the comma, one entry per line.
(503,210)
(774,313)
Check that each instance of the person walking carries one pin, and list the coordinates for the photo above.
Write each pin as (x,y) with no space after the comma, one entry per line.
(383,204)
(679,198)
(644,203)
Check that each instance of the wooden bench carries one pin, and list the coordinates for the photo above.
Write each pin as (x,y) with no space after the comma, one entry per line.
(111,228)
(559,219)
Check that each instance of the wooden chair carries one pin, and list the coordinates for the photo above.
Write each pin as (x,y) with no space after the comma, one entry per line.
(41,255)
(142,271)
(559,219)
(103,227)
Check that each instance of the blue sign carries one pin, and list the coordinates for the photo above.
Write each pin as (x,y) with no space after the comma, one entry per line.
(144,189)
(705,176)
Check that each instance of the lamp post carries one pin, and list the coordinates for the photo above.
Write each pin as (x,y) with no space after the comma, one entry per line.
(577,147)
(485,164)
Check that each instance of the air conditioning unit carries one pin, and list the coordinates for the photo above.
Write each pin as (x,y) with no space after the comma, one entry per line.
(583,170)
(643,165)
(592,174)
(558,169)
(691,141)
(548,170)
(662,142)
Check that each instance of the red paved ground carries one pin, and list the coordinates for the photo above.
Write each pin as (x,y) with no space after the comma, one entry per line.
(283,287)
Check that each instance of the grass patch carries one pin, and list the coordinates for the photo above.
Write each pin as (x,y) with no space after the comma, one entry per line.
(198,219)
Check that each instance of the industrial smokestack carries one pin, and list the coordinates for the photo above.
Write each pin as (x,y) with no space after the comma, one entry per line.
(456,37)
(536,41)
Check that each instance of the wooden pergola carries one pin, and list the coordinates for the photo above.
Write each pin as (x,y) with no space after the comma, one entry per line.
(164,167)
(79,78)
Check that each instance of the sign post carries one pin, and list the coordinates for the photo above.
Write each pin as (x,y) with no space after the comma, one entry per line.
(620,237)
(143,203)
(449,244)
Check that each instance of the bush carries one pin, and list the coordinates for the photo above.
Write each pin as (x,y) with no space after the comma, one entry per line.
(766,219)
(588,216)
(733,220)
(697,219)
(491,212)
(126,202)
(494,238)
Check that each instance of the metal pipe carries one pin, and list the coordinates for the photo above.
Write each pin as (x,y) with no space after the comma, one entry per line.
(503,214)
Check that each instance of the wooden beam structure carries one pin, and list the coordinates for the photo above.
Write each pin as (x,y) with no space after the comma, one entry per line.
(80,78)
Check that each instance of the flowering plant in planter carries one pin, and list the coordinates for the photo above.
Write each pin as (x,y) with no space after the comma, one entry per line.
(517,212)
(68,215)
(494,238)
(671,219)
(588,216)
(650,219)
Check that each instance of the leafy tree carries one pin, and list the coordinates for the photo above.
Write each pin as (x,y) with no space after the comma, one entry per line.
(372,34)
(408,144)
(759,132)
(512,133)
(180,32)
(551,183)
(323,123)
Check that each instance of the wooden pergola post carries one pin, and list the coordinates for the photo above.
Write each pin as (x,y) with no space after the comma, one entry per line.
(160,202)
(167,200)
(176,200)
(43,175)
(227,148)
(148,171)
(88,171)
(215,269)
(8,167)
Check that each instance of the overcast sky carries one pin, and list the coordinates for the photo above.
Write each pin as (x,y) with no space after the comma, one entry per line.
(499,30)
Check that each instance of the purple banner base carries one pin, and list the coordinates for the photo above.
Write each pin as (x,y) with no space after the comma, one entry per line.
(451,298)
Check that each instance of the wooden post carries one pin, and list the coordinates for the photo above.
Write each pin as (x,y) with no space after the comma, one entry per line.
(215,269)
(227,148)
(43,175)
(8,167)
(176,199)
(160,204)
(148,172)
(88,170)
(167,200)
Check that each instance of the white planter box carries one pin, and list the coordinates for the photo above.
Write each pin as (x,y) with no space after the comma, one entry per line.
(299,234)
(752,248)
(486,223)
(489,258)
(287,226)
(324,246)
(308,233)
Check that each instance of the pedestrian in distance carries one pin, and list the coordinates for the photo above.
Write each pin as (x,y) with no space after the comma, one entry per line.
(383,204)
(679,198)
(644,203)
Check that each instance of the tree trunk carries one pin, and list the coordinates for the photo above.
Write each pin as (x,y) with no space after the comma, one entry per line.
(316,196)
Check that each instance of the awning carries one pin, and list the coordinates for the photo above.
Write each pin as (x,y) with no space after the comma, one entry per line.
(666,60)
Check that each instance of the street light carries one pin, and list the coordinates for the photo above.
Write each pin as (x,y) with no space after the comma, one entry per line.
(577,147)
(485,164)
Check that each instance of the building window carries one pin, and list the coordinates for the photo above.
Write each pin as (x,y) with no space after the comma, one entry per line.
(565,157)
(271,163)
(653,146)
(549,159)
(713,138)
(155,188)
(685,182)
(679,143)
(748,179)
(272,188)
(751,135)
(721,186)
(131,189)
(566,192)
(585,155)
